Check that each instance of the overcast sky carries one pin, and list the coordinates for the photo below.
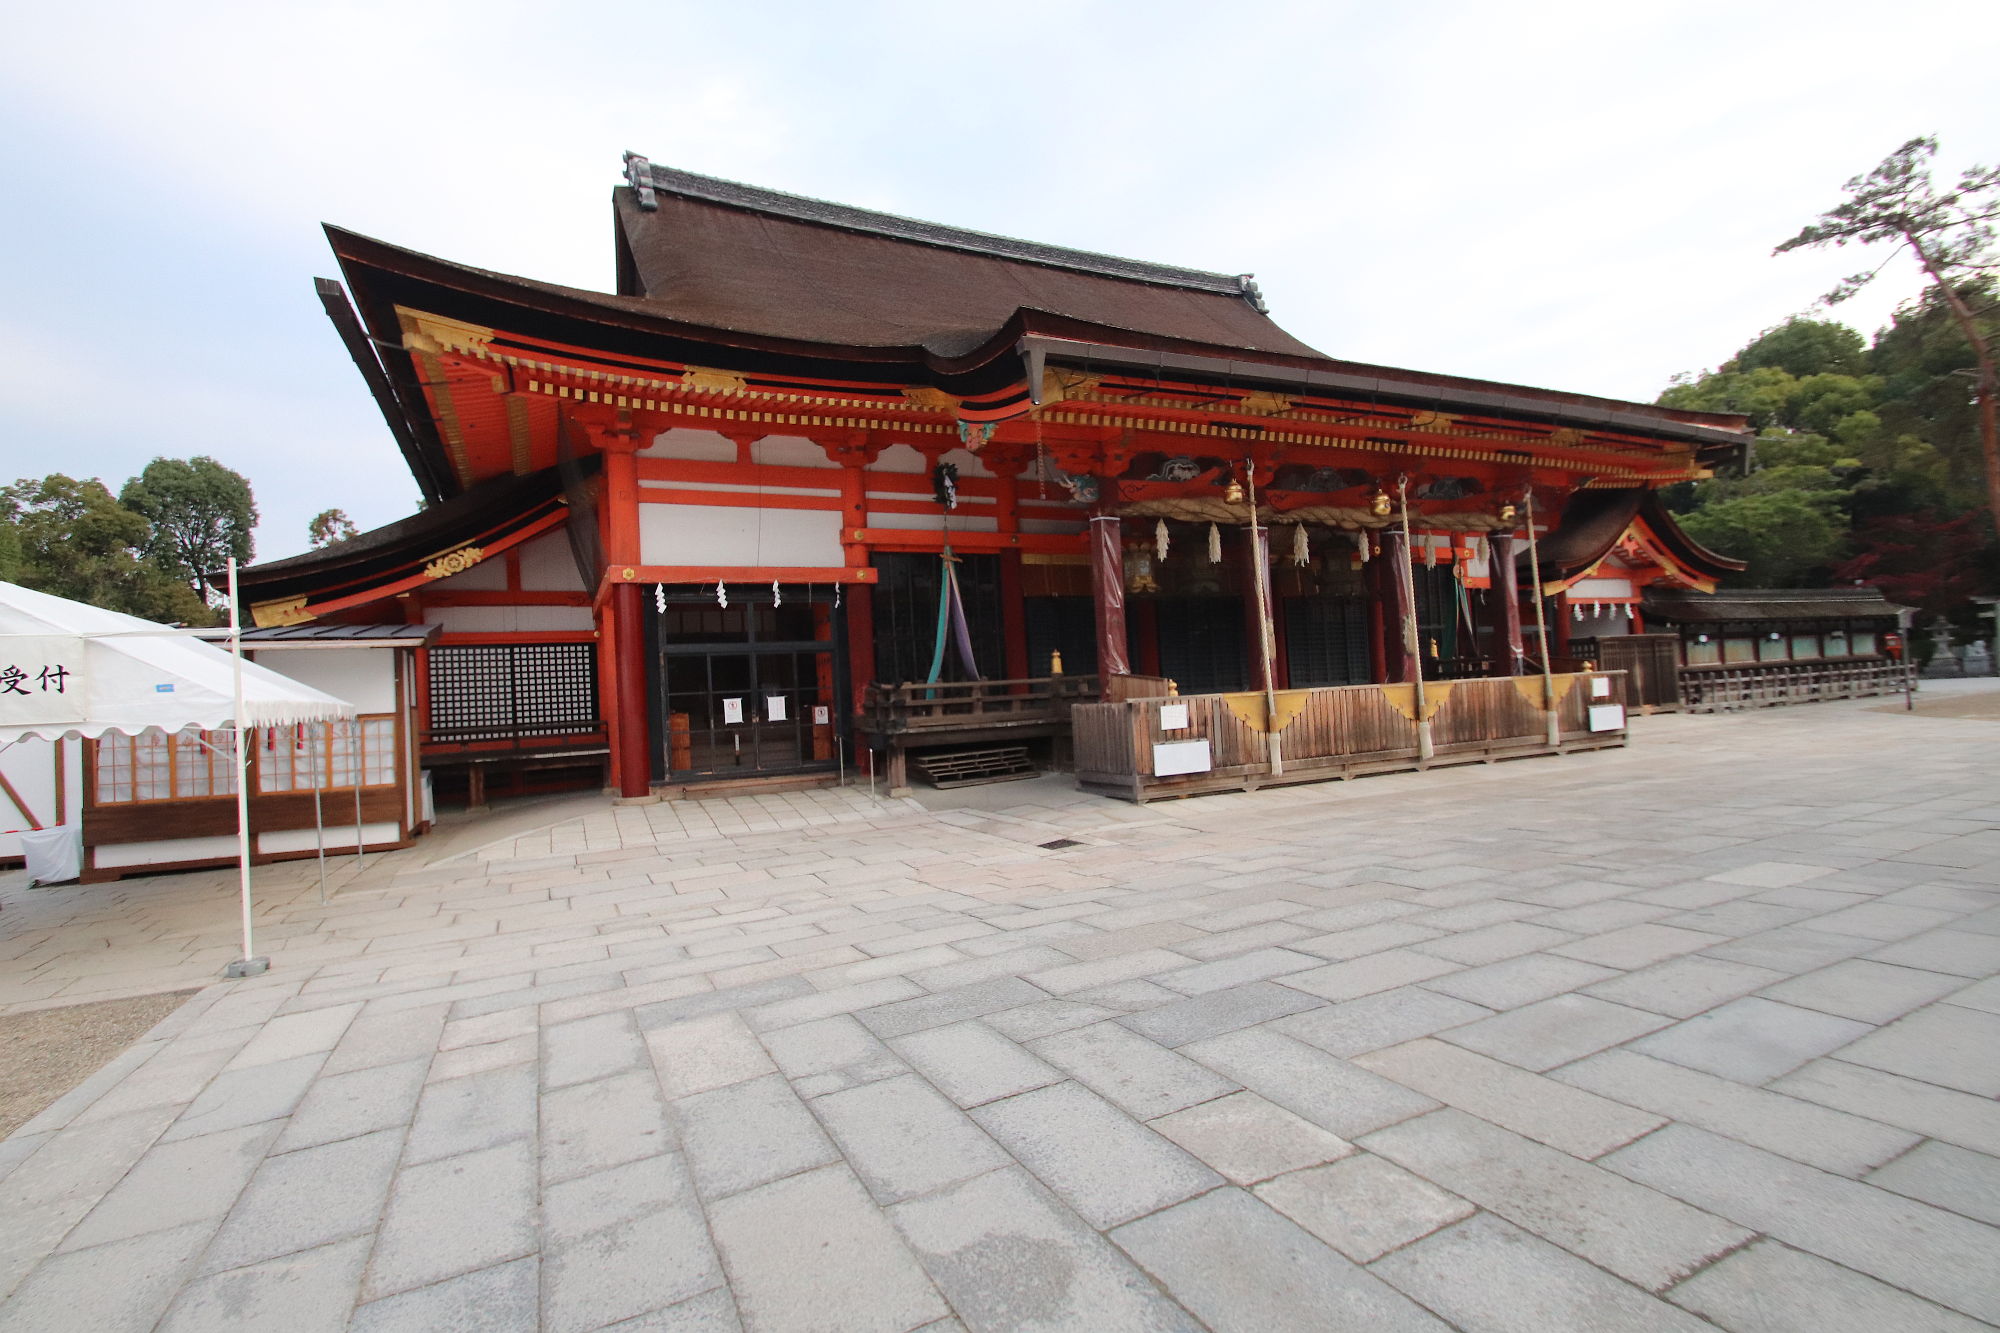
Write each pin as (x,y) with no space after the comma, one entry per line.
(1578,196)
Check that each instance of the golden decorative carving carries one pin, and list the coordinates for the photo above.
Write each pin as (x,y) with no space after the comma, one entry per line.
(1264,404)
(455,562)
(284,611)
(425,332)
(1249,709)
(1531,688)
(924,395)
(703,380)
(1433,420)
(1403,698)
(1060,385)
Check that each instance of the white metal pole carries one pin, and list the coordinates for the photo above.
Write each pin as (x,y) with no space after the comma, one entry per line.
(319,838)
(249,965)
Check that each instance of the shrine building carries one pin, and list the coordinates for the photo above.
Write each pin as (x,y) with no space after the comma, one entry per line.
(707,526)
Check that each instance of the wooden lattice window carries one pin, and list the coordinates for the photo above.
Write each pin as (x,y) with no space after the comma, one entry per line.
(327,755)
(509,691)
(153,766)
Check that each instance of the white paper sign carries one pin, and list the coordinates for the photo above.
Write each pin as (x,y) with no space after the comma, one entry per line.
(732,712)
(1607,717)
(774,708)
(1173,717)
(822,715)
(41,679)
(1600,687)
(1171,758)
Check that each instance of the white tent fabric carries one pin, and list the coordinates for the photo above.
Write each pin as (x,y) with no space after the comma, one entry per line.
(120,673)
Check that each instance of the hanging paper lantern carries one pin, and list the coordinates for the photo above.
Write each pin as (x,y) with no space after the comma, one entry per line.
(777,598)
(721,595)
(1301,545)
(1214,545)
(660,598)
(1160,539)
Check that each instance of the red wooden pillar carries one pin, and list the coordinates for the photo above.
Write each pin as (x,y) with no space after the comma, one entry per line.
(1378,629)
(1560,611)
(1107,592)
(631,748)
(1013,601)
(1013,617)
(1507,647)
(1145,615)
(632,758)
(858,600)
(1398,632)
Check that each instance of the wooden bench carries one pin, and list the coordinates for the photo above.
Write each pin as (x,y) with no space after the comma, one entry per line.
(967,768)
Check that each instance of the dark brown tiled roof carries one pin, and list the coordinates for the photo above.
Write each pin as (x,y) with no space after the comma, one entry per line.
(749,260)
(1676,606)
(1593,521)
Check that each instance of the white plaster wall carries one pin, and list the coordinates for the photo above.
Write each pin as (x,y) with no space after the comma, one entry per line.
(487,575)
(960,522)
(1595,590)
(736,535)
(365,677)
(166,850)
(339,835)
(701,446)
(898,458)
(789,451)
(31,767)
(548,566)
(509,619)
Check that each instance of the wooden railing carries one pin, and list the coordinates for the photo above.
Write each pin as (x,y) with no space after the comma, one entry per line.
(1713,689)
(1337,732)
(1118,688)
(890,710)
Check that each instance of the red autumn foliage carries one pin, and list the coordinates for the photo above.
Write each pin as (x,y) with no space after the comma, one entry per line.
(1922,559)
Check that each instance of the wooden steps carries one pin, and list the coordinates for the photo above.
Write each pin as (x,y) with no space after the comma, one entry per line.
(967,768)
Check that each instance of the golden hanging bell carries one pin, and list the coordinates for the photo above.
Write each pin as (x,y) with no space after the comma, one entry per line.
(1380,505)
(1507,513)
(1233,492)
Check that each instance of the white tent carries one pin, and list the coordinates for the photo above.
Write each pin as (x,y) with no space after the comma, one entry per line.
(67,669)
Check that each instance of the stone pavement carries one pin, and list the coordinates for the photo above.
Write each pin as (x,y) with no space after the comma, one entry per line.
(1699,1033)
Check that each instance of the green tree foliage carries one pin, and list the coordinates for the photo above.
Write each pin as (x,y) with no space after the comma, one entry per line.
(330,526)
(1868,466)
(200,514)
(72,539)
(1803,347)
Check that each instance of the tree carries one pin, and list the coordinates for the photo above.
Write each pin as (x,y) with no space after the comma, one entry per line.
(1784,534)
(71,539)
(1950,233)
(330,526)
(1802,347)
(201,514)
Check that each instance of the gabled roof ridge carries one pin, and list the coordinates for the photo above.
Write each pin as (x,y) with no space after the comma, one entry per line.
(802,208)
